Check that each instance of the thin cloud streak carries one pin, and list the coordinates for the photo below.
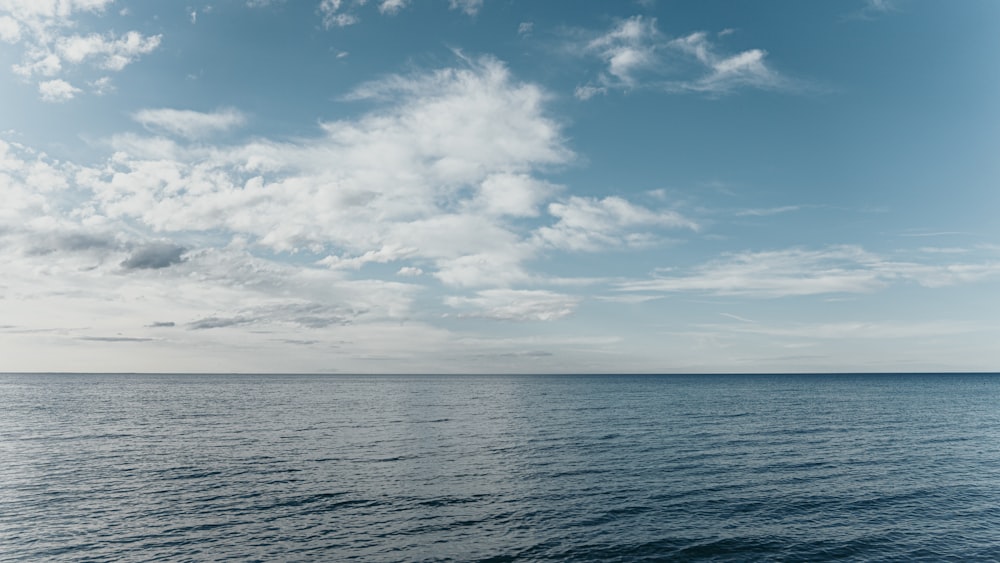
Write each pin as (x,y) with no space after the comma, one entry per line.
(799,272)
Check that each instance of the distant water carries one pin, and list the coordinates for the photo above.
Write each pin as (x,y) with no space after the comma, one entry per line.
(500,468)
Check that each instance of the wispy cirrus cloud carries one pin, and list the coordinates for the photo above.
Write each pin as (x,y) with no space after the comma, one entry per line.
(855,330)
(470,7)
(723,73)
(590,224)
(309,315)
(768,211)
(797,272)
(114,339)
(515,305)
(343,13)
(188,123)
(635,54)
(872,9)
(330,10)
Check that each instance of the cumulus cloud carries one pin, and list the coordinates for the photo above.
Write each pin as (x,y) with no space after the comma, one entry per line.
(154,256)
(57,90)
(40,29)
(60,249)
(392,6)
(332,15)
(516,195)
(10,30)
(443,177)
(188,123)
(56,239)
(102,86)
(516,305)
(49,12)
(39,62)
(114,53)
(29,180)
(437,173)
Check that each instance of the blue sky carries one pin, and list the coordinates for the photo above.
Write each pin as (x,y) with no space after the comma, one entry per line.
(482,186)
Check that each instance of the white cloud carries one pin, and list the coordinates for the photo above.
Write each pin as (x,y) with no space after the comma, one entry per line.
(59,11)
(516,305)
(333,17)
(39,62)
(115,52)
(102,85)
(188,123)
(796,272)
(392,6)
(587,92)
(589,224)
(943,250)
(515,195)
(627,48)
(767,211)
(724,73)
(57,90)
(879,5)
(10,30)
(39,27)
(525,28)
(341,13)
(872,9)
(437,174)
(442,176)
(636,55)
(862,330)
(470,7)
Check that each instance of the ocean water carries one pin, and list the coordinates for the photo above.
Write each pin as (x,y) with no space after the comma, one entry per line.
(499,468)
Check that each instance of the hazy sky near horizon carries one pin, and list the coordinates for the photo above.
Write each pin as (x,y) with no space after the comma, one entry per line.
(499,186)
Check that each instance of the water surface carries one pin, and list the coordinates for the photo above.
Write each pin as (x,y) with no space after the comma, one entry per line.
(499,468)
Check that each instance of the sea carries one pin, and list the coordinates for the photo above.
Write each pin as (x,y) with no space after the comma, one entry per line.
(833,467)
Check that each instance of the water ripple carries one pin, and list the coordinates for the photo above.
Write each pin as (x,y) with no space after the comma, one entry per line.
(588,468)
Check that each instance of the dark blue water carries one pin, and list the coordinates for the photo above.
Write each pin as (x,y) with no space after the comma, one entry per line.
(331,468)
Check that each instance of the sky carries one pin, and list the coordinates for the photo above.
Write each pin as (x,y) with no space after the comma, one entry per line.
(499,186)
